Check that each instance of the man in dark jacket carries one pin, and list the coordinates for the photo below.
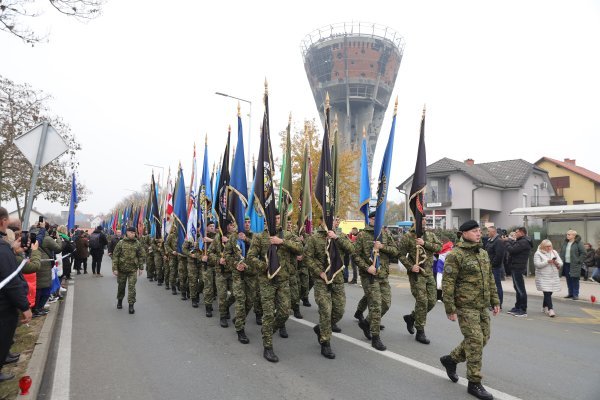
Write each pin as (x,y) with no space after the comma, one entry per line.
(519,250)
(98,242)
(113,242)
(495,250)
(13,296)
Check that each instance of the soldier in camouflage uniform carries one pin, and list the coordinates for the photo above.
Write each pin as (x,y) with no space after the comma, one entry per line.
(469,290)
(248,241)
(244,280)
(224,279)
(193,270)
(331,298)
(146,241)
(274,292)
(294,276)
(158,251)
(304,278)
(171,251)
(182,274)
(127,264)
(379,295)
(420,276)
(208,270)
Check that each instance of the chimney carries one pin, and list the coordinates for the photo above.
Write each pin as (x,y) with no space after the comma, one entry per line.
(470,161)
(569,161)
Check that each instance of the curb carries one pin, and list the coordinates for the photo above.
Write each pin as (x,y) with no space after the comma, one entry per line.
(37,362)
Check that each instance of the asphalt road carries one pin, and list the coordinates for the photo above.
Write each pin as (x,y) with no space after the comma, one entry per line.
(168,349)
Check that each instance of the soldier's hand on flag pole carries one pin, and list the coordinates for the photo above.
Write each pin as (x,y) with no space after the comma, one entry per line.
(241,267)
(299,258)
(331,235)
(452,317)
(323,276)
(377,245)
(420,241)
(415,268)
(372,270)
(224,239)
(222,261)
(204,258)
(276,240)
(241,236)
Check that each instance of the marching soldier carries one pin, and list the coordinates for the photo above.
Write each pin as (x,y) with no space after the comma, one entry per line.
(274,292)
(331,298)
(128,263)
(171,251)
(193,271)
(223,276)
(248,241)
(305,280)
(208,270)
(379,295)
(420,277)
(146,241)
(182,273)
(469,290)
(294,276)
(158,251)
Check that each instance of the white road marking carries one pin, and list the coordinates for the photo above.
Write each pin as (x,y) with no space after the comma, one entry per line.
(61,386)
(408,361)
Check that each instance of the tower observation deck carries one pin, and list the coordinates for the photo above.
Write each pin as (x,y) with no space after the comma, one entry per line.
(357,64)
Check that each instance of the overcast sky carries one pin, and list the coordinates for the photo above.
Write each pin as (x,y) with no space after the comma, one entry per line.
(501,80)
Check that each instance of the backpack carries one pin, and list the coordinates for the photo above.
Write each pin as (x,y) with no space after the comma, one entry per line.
(95,241)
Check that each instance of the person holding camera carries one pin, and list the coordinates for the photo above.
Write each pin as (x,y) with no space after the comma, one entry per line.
(13,296)
(49,247)
(518,246)
(547,265)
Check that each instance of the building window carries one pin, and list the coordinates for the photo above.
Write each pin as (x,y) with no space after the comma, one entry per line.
(535,202)
(578,201)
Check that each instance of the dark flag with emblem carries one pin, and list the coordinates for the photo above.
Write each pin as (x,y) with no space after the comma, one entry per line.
(325,196)
(417,190)
(264,193)
(155,220)
(222,192)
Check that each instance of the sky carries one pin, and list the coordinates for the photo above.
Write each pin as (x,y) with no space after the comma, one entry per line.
(501,80)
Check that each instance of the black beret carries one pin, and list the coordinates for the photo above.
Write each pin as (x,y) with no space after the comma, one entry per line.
(131,229)
(372,214)
(467,226)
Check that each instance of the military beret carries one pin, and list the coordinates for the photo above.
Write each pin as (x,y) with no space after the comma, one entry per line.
(131,229)
(228,221)
(467,226)
(372,214)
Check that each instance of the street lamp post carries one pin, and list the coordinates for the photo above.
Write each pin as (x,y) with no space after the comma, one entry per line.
(162,174)
(403,191)
(248,177)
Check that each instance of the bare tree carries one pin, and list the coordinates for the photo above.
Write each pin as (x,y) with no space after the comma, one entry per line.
(14,13)
(21,109)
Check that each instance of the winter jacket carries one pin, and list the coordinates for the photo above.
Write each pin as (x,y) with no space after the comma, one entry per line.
(577,256)
(49,247)
(81,247)
(13,296)
(495,249)
(589,260)
(519,253)
(546,274)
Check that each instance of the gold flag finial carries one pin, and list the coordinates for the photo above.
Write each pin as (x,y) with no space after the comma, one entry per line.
(335,122)
(424,110)
(364,132)
(290,119)
(229,129)
(396,106)
(266,86)
(238,108)
(206,139)
(327,100)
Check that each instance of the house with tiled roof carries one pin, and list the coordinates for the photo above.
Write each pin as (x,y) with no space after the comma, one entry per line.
(572,183)
(458,191)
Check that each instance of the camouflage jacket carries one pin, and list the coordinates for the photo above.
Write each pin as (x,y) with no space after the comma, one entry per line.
(190,250)
(287,252)
(315,253)
(145,241)
(363,248)
(171,244)
(215,252)
(233,256)
(468,281)
(408,250)
(158,247)
(127,256)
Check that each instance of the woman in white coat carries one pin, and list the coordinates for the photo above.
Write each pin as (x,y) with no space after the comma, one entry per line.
(547,280)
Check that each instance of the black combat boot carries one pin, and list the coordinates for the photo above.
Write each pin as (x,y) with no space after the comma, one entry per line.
(209,310)
(159,283)
(258,319)
(131,310)
(119,304)
(326,350)
(377,343)
(335,328)
(381,327)
(269,355)
(366,328)
(184,296)
(174,290)
(283,332)
(477,390)
(224,323)
(317,330)
(421,338)
(450,366)
(167,287)
(353,281)
(305,302)
(410,323)
(195,303)
(297,313)
(358,315)
(242,338)
(227,315)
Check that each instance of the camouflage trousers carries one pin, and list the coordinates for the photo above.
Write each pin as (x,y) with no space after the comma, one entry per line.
(294,289)
(305,280)
(475,326)
(150,267)
(194,277)
(258,310)
(331,300)
(244,291)
(364,301)
(225,296)
(159,267)
(208,276)
(173,270)
(275,299)
(424,290)
(129,279)
(182,272)
(380,299)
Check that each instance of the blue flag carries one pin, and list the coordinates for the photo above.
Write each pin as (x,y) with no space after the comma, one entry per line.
(365,184)
(180,211)
(238,185)
(257,221)
(72,205)
(205,198)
